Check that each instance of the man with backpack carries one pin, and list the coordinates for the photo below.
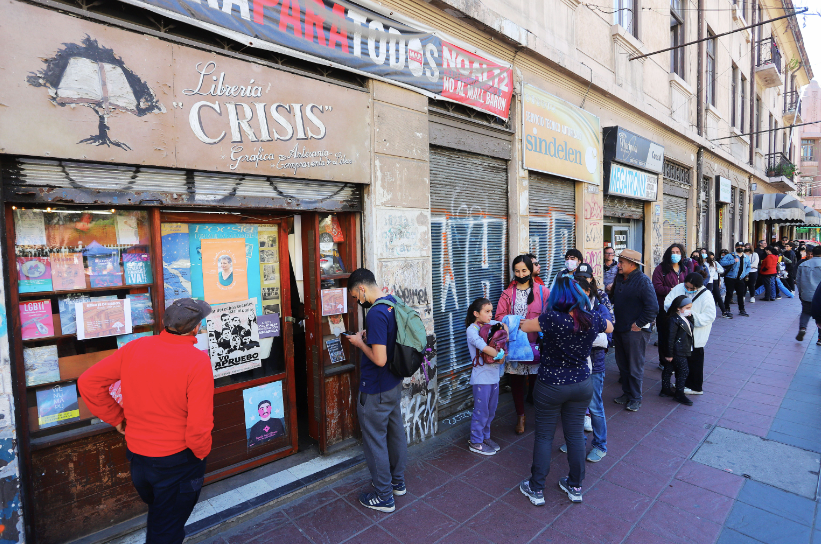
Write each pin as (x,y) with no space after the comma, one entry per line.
(380,392)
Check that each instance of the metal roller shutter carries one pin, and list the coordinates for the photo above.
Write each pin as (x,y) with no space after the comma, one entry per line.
(616,206)
(552,221)
(675,220)
(468,195)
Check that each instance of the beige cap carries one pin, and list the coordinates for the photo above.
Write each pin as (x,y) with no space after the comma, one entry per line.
(631,255)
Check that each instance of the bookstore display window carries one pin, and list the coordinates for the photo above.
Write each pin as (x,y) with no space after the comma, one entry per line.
(85,287)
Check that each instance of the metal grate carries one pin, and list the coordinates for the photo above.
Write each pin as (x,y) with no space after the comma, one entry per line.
(675,220)
(469,243)
(552,226)
(616,206)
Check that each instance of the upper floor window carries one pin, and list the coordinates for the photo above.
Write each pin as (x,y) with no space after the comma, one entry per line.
(676,38)
(807,150)
(758,122)
(734,97)
(743,102)
(625,15)
(711,69)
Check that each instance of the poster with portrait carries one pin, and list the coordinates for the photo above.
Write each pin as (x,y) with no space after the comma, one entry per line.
(233,338)
(264,413)
(224,270)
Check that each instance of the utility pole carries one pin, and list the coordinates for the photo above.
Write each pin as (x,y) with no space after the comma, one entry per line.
(700,129)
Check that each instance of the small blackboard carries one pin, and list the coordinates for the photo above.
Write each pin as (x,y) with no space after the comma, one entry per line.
(335,350)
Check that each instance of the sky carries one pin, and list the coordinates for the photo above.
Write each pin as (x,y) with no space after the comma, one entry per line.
(811,33)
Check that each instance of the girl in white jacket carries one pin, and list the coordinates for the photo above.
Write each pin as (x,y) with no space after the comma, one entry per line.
(704,313)
(714,282)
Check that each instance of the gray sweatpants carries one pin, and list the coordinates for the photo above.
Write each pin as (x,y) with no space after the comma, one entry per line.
(383,438)
(630,349)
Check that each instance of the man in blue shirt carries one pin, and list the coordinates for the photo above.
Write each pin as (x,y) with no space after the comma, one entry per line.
(380,392)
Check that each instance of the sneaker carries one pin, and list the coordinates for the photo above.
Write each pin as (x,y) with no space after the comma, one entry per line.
(688,391)
(624,399)
(398,489)
(563,448)
(372,501)
(728,315)
(634,405)
(481,449)
(492,444)
(778,297)
(818,343)
(588,424)
(800,335)
(596,455)
(743,314)
(752,300)
(536,497)
(573,493)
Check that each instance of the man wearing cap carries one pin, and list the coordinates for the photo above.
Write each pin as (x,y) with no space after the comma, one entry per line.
(635,307)
(167,415)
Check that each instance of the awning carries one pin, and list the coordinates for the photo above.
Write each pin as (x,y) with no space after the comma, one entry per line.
(781,208)
(813,218)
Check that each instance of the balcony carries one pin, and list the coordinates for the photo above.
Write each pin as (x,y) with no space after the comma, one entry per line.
(768,64)
(792,108)
(780,172)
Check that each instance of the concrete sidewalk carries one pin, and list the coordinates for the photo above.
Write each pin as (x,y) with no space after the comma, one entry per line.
(760,384)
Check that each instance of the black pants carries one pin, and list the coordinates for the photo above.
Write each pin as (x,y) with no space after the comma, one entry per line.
(661,326)
(789,281)
(695,367)
(715,289)
(571,402)
(752,282)
(680,367)
(737,286)
(630,348)
(170,486)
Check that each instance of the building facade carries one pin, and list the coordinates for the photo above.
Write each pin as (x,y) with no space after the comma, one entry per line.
(431,142)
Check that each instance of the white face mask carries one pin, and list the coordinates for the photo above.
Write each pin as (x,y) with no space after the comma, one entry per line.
(571,264)
(687,313)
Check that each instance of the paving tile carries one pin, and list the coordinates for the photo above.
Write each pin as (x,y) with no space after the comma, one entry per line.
(333,522)
(766,389)
(372,535)
(514,456)
(457,500)
(802,398)
(799,442)
(453,459)
(418,522)
(555,505)
(654,460)
(779,502)
(728,536)
(607,529)
(493,479)
(743,427)
(421,478)
(797,429)
(640,536)
(494,523)
(766,527)
(681,446)
(677,525)
(752,406)
(697,500)
(718,481)
(309,503)
(636,479)
(461,535)
(617,501)
(553,536)
(772,400)
(256,527)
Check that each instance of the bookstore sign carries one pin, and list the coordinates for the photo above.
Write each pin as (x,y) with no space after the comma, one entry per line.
(132,99)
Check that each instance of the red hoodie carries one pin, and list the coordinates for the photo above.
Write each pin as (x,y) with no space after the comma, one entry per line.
(168,394)
(768,266)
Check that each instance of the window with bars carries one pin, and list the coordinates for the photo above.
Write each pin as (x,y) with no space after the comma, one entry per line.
(676,38)
(711,69)
(741,196)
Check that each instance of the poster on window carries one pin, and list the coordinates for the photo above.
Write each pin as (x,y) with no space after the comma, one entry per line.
(99,318)
(233,338)
(224,270)
(264,413)
(176,262)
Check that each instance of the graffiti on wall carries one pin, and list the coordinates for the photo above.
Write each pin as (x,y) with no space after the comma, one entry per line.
(593,210)
(594,258)
(407,280)
(550,238)
(402,233)
(593,234)
(469,261)
(658,236)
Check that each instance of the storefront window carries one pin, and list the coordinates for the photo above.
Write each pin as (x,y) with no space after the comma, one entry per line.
(84,282)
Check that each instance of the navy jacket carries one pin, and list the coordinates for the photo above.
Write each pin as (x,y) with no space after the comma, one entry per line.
(816,304)
(680,337)
(634,301)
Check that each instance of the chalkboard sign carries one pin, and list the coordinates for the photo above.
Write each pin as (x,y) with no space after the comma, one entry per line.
(335,350)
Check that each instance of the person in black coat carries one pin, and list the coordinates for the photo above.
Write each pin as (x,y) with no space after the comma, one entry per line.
(791,267)
(816,309)
(679,332)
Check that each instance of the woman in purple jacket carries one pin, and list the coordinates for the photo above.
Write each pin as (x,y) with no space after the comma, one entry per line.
(667,275)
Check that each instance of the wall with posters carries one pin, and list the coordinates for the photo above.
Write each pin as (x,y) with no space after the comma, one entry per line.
(397,232)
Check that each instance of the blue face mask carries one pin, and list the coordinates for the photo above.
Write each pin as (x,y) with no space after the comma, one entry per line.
(703,255)
(675,258)
(690,293)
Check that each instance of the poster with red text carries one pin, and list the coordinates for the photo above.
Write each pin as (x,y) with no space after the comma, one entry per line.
(35,319)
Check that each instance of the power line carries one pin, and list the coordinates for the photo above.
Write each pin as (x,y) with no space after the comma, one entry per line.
(767,130)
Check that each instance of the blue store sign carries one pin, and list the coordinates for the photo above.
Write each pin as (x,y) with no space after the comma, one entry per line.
(632,183)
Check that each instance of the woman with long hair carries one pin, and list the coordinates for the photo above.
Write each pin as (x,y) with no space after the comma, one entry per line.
(713,284)
(525,299)
(667,275)
(564,387)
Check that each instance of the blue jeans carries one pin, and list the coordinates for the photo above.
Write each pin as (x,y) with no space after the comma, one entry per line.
(769,286)
(597,416)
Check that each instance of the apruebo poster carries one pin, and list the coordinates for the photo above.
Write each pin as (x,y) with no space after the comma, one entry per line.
(98,318)
(224,270)
(264,413)
(233,338)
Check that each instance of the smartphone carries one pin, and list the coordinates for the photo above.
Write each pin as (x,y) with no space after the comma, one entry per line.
(348,333)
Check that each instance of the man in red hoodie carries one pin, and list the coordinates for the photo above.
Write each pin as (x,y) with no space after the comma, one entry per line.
(168,403)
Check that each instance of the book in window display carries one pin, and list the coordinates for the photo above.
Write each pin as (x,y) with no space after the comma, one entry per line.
(104,270)
(57,405)
(142,311)
(137,268)
(36,320)
(99,318)
(67,271)
(33,274)
(42,365)
(176,262)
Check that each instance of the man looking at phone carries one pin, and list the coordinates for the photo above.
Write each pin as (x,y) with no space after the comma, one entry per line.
(380,392)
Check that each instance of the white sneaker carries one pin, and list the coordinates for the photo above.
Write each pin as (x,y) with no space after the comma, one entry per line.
(588,424)
(752,299)
(688,391)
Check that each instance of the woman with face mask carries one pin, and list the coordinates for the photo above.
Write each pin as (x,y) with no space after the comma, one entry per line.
(667,275)
(713,283)
(525,299)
